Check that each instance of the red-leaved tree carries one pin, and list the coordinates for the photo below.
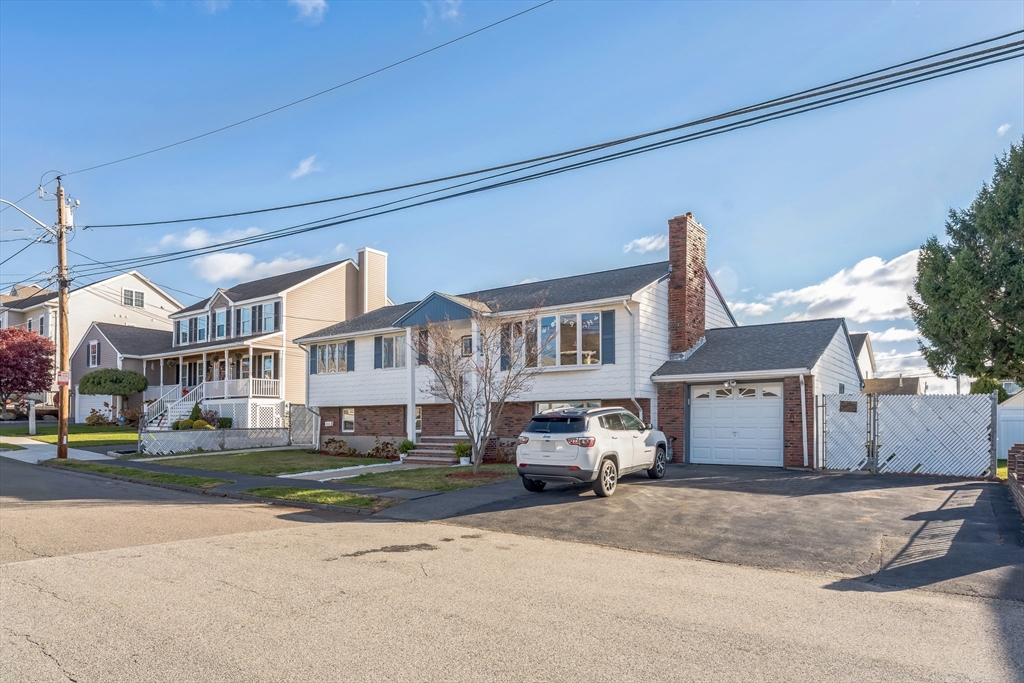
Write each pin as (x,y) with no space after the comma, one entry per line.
(26,363)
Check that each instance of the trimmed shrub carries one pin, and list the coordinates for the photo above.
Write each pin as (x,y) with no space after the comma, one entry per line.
(176,425)
(224,423)
(406,446)
(200,424)
(196,414)
(185,424)
(210,416)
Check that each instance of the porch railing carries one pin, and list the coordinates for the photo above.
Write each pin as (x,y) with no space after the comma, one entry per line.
(180,409)
(238,388)
(151,412)
(265,388)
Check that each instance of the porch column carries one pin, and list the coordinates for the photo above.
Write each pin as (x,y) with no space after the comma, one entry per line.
(410,411)
(181,373)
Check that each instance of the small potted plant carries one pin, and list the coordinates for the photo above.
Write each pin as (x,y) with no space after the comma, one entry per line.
(463,451)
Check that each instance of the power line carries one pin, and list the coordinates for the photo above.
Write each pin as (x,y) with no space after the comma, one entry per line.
(846,83)
(948,69)
(18,252)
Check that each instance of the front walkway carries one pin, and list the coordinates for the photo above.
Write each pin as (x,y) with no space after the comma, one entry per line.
(37,451)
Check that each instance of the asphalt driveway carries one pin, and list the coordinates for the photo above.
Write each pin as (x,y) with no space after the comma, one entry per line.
(879,532)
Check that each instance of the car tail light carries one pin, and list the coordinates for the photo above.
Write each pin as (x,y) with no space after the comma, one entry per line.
(523,440)
(581,441)
(574,468)
(522,464)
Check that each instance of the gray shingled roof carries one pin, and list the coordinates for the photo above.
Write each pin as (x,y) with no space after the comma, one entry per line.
(135,341)
(562,291)
(858,341)
(757,348)
(267,286)
(30,301)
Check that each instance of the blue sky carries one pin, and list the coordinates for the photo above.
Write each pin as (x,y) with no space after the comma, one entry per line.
(811,216)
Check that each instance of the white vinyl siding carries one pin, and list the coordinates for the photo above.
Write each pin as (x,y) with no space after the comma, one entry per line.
(714,312)
(835,367)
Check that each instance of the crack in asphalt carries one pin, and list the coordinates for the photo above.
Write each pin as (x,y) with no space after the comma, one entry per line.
(42,648)
(387,549)
(40,589)
(243,588)
(14,542)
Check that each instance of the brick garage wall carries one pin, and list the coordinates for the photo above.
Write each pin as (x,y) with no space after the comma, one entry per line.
(672,416)
(513,420)
(438,419)
(370,421)
(792,437)
(1015,474)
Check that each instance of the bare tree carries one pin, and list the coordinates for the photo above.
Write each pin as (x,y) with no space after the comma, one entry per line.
(480,369)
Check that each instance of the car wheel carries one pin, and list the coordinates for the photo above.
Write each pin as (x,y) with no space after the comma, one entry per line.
(533,485)
(657,470)
(607,478)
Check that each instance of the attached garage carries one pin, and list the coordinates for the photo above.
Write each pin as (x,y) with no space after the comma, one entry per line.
(86,404)
(739,425)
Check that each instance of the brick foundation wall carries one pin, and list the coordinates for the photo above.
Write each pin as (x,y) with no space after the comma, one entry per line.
(513,420)
(370,421)
(672,417)
(687,246)
(792,437)
(1015,474)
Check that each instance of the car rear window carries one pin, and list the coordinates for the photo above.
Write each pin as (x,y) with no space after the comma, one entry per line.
(557,425)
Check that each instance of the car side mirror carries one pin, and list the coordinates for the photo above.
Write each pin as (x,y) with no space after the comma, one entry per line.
(648,426)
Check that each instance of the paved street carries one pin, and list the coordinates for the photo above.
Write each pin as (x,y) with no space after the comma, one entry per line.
(118,581)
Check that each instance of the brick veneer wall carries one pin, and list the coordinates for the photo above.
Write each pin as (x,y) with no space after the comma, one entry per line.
(792,437)
(672,419)
(687,252)
(370,421)
(438,419)
(1015,474)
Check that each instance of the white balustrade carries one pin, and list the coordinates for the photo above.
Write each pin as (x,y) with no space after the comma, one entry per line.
(266,388)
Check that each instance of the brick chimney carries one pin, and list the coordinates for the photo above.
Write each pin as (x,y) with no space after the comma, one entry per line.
(687,243)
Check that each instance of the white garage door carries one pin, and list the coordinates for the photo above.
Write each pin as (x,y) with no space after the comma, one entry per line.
(84,404)
(741,425)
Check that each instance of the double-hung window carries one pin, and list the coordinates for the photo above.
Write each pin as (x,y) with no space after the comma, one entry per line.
(419,419)
(268,317)
(393,352)
(221,319)
(94,354)
(321,361)
(201,328)
(245,322)
(135,298)
(183,332)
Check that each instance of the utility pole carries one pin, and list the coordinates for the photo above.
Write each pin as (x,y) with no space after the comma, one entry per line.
(63,380)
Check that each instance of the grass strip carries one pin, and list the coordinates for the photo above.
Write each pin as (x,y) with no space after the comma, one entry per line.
(160,477)
(434,478)
(4,446)
(324,496)
(272,463)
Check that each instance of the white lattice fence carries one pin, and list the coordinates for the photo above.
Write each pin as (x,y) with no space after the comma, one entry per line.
(846,431)
(302,424)
(263,415)
(948,435)
(185,441)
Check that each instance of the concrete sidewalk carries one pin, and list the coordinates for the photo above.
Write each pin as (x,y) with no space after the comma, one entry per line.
(37,451)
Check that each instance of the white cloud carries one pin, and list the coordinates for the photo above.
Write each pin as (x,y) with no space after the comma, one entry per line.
(873,289)
(227,266)
(751,309)
(642,245)
(310,11)
(213,6)
(446,10)
(1003,129)
(527,281)
(894,334)
(306,166)
(196,238)
(339,249)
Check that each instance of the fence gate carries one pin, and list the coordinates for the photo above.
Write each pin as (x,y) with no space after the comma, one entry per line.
(302,423)
(847,431)
(944,435)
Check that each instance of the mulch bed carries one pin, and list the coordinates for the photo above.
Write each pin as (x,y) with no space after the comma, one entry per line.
(470,475)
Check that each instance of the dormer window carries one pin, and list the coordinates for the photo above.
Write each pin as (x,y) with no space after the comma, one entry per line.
(220,330)
(201,328)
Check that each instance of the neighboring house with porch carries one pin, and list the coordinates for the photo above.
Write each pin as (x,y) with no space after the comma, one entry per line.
(657,339)
(865,355)
(234,352)
(126,299)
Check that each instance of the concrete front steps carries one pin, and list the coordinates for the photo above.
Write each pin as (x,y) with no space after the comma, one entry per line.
(434,450)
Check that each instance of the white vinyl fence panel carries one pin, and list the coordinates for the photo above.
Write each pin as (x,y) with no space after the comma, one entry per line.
(846,431)
(191,440)
(1010,430)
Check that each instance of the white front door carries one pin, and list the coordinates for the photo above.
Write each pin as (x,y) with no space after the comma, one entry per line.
(460,429)
(739,425)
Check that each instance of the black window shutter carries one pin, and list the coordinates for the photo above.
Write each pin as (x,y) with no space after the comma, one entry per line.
(506,345)
(277,365)
(350,355)
(277,316)
(177,333)
(607,337)
(378,353)
(312,359)
(238,321)
(191,330)
(424,347)
(98,347)
(227,323)
(257,319)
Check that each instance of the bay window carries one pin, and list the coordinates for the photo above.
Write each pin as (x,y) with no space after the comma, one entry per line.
(562,340)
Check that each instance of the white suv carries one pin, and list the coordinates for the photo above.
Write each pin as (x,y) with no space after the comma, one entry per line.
(597,445)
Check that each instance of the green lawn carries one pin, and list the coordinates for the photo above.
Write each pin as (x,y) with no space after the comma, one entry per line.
(79,435)
(352,500)
(271,463)
(163,478)
(435,478)
(1001,469)
(10,447)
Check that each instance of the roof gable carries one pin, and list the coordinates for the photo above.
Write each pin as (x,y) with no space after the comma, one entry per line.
(437,307)
(268,286)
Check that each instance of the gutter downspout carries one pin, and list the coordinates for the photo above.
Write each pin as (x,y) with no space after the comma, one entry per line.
(632,358)
(803,416)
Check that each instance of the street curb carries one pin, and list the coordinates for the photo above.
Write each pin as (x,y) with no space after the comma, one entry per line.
(219,494)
